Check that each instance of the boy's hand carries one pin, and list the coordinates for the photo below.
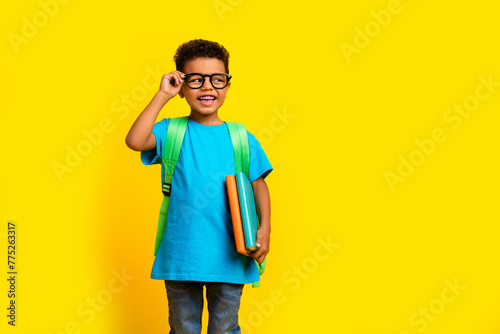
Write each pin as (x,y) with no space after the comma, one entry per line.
(171,83)
(263,239)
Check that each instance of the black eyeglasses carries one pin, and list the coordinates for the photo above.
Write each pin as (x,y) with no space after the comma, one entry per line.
(197,80)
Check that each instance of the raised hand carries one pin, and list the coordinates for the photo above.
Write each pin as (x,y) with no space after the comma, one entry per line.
(171,83)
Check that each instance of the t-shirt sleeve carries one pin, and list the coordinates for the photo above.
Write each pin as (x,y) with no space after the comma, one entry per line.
(153,156)
(259,163)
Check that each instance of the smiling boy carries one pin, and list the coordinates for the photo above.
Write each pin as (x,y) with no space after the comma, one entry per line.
(198,247)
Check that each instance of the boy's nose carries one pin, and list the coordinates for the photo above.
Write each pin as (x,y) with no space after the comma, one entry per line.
(206,83)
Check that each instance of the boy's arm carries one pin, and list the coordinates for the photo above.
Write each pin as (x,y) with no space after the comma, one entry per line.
(140,136)
(263,204)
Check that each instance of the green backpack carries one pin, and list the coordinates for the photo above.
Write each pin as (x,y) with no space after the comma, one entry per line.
(171,151)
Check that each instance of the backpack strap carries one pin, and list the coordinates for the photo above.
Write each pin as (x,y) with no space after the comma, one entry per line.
(241,149)
(171,151)
(239,138)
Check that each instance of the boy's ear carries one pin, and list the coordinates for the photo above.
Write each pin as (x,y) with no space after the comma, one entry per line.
(180,94)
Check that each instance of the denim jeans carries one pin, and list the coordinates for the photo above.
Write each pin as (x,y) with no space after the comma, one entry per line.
(185,304)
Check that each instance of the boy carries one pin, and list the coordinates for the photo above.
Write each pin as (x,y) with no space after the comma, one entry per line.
(198,247)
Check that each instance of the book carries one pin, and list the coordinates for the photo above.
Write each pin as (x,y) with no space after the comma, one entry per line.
(234,205)
(243,212)
(249,218)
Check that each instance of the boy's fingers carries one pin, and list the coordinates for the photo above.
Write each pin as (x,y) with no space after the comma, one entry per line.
(256,254)
(175,78)
(180,75)
(260,253)
(180,79)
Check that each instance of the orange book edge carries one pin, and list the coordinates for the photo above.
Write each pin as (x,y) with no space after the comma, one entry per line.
(234,205)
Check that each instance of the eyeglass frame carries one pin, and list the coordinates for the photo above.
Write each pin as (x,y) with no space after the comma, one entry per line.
(210,79)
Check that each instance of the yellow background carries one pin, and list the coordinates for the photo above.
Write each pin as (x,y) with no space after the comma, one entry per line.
(349,121)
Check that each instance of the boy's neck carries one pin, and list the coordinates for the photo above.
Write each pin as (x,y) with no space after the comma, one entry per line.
(212,119)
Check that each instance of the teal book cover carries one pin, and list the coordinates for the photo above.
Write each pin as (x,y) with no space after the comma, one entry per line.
(249,218)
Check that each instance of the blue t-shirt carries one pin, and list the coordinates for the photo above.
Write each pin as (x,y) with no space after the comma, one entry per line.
(198,243)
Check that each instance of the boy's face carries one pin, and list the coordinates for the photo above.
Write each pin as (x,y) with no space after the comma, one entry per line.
(204,106)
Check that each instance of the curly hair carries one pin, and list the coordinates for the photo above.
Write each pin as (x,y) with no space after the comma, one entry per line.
(200,48)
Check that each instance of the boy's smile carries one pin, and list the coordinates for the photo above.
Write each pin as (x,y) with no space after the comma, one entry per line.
(207,100)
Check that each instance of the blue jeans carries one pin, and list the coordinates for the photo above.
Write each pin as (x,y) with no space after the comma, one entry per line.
(185,304)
